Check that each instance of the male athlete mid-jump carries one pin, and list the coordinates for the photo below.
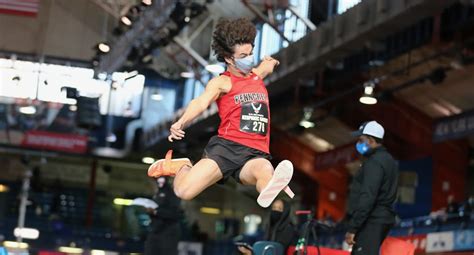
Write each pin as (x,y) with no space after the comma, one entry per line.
(241,148)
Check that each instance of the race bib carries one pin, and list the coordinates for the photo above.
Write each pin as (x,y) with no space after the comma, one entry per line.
(254,118)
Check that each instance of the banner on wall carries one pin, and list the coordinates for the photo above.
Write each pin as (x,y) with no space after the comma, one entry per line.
(440,242)
(464,240)
(454,127)
(461,240)
(49,126)
(55,141)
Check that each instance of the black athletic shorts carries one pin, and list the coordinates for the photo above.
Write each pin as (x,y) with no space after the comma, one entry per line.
(231,156)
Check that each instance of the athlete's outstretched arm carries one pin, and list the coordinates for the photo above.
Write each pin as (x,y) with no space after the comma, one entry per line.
(266,67)
(196,107)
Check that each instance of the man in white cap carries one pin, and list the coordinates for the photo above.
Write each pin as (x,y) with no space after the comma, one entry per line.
(372,194)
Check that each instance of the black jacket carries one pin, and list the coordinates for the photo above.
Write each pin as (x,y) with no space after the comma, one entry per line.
(283,231)
(373,191)
(169,210)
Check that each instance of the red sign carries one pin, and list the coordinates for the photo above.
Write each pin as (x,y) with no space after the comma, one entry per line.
(418,240)
(55,141)
(51,253)
(19,7)
(314,251)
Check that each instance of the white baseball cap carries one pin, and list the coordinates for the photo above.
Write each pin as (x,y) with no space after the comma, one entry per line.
(372,128)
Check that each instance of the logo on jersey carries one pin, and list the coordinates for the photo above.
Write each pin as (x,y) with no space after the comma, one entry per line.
(256,109)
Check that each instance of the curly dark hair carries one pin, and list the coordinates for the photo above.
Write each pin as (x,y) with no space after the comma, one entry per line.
(229,33)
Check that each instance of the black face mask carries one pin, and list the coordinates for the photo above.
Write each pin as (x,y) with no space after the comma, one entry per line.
(275,216)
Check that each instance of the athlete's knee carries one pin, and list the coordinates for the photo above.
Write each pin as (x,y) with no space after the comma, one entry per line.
(184,193)
(266,169)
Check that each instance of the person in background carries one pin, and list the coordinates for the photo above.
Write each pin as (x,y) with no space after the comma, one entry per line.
(280,228)
(452,207)
(373,192)
(165,226)
(468,206)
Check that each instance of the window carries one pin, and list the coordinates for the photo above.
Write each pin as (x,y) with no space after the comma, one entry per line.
(343,5)
(45,82)
(270,42)
(407,187)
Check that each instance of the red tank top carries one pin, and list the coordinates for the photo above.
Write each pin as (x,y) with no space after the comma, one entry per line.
(244,112)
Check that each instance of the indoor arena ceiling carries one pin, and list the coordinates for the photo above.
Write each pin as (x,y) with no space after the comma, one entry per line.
(71,30)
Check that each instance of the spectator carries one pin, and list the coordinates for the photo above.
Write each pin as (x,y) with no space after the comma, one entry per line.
(280,229)
(453,207)
(468,205)
(165,229)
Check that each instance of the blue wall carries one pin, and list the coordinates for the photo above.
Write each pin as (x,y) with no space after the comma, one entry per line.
(422,205)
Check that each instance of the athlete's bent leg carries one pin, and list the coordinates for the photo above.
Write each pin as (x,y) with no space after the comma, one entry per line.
(191,181)
(268,182)
(258,172)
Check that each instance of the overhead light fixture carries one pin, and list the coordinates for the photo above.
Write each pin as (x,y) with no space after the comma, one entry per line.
(126,21)
(366,99)
(102,76)
(307,124)
(148,160)
(3,188)
(147,2)
(28,109)
(306,120)
(157,97)
(71,250)
(102,252)
(187,19)
(103,47)
(215,68)
(122,201)
(111,138)
(210,210)
(132,15)
(72,108)
(15,245)
(368,96)
(26,233)
(187,75)
(369,89)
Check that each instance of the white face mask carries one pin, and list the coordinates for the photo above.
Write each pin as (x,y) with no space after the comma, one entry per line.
(245,65)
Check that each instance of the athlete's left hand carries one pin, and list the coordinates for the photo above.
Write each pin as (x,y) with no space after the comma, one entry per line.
(270,63)
(266,66)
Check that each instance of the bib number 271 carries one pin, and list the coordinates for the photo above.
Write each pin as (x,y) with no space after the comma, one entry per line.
(254,118)
(258,127)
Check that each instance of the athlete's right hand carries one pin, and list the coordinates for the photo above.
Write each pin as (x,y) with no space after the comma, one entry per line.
(176,131)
